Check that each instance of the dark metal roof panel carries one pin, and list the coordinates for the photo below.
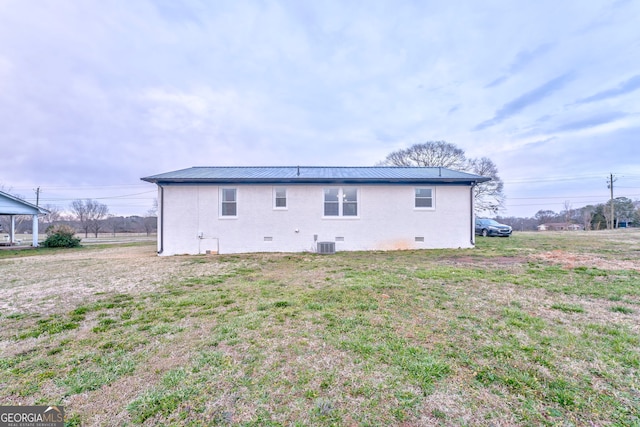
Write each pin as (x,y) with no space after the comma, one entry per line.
(314,173)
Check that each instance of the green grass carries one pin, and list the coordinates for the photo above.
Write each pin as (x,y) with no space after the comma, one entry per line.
(498,334)
(568,308)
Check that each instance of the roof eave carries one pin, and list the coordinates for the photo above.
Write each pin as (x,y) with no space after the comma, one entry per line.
(41,211)
(299,180)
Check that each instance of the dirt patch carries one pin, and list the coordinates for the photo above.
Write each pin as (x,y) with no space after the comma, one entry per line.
(498,261)
(572,260)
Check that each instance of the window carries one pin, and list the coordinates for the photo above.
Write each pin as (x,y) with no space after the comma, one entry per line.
(350,202)
(424,198)
(229,202)
(279,198)
(341,202)
(331,202)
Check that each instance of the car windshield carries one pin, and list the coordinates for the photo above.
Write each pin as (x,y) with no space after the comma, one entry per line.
(491,222)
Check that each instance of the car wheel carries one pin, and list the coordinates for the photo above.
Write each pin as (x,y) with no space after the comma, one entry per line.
(485,233)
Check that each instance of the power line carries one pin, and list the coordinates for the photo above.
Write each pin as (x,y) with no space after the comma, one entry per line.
(77,187)
(568,197)
(129,196)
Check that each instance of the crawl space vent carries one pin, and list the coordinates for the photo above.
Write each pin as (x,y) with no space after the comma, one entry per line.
(326,248)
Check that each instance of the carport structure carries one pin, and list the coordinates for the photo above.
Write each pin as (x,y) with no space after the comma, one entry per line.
(13,206)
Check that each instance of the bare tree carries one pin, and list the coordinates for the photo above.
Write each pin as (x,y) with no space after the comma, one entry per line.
(115,224)
(428,154)
(154,208)
(89,213)
(80,211)
(568,211)
(607,215)
(54,215)
(587,216)
(150,224)
(488,196)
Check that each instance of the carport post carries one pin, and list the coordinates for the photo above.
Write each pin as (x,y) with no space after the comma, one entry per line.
(12,230)
(34,230)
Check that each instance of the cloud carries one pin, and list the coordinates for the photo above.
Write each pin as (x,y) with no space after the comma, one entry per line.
(522,59)
(497,82)
(523,101)
(623,88)
(590,122)
(176,12)
(157,85)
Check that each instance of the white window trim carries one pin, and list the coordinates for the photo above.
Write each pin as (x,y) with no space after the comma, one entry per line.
(433,199)
(286,199)
(221,193)
(340,215)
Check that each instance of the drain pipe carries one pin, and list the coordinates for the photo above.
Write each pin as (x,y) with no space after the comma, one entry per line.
(472,214)
(161,225)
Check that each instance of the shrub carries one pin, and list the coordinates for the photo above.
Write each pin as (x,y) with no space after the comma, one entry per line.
(61,236)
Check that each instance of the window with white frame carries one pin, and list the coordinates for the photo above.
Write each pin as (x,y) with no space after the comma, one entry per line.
(340,201)
(279,198)
(229,202)
(424,198)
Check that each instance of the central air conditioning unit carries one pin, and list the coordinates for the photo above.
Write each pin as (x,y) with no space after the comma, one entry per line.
(326,248)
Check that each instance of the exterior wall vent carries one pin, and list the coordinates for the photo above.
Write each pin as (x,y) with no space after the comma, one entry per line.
(268,239)
(339,239)
(419,239)
(326,248)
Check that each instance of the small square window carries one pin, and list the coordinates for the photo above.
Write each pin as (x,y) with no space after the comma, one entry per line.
(424,198)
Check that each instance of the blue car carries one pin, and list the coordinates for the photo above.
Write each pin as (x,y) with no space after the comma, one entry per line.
(490,227)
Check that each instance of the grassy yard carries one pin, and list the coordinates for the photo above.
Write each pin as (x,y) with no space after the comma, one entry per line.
(535,329)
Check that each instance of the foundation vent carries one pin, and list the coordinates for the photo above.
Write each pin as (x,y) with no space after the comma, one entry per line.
(326,248)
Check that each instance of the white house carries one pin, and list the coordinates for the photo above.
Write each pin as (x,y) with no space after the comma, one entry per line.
(294,209)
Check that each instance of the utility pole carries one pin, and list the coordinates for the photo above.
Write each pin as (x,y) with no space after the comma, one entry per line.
(37,190)
(610,186)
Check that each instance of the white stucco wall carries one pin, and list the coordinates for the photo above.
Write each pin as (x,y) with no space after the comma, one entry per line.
(387,220)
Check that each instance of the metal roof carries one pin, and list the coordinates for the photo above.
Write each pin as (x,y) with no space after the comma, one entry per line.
(314,174)
(12,205)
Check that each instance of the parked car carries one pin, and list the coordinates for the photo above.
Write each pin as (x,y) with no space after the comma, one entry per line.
(490,227)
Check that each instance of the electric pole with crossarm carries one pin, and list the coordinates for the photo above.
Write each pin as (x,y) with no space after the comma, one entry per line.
(610,182)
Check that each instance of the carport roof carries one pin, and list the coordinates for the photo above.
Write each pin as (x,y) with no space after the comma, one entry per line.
(12,205)
(315,174)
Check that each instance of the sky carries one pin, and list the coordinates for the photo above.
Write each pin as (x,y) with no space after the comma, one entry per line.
(95,95)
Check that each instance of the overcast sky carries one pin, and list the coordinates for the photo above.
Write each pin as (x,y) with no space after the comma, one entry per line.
(95,95)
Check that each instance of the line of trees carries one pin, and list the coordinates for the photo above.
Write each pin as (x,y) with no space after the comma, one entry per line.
(88,216)
(91,216)
(590,217)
